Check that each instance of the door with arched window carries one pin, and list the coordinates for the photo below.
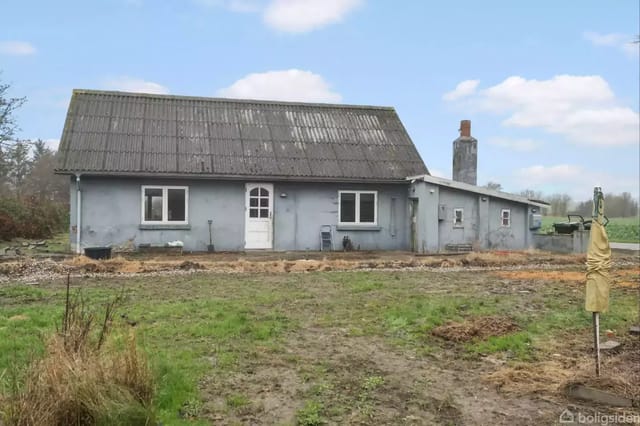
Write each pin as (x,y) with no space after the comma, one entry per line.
(259,216)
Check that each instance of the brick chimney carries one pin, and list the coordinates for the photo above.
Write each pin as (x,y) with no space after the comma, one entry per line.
(465,128)
(465,155)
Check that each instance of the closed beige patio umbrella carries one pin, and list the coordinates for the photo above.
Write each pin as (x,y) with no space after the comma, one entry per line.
(598,266)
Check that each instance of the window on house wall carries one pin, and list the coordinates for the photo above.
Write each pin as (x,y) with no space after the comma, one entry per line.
(165,204)
(259,203)
(358,207)
(458,217)
(505,217)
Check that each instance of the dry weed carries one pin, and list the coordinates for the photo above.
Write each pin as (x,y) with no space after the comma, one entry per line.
(475,328)
(528,378)
(83,378)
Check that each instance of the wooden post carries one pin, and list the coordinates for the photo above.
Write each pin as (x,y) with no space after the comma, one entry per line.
(596,338)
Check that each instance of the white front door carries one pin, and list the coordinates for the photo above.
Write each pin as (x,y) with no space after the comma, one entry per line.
(259,216)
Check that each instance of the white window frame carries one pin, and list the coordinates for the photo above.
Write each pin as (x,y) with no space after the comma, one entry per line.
(502,212)
(357,222)
(461,224)
(165,205)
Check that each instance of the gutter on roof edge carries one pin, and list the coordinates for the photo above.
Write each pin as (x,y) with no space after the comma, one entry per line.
(488,192)
(243,178)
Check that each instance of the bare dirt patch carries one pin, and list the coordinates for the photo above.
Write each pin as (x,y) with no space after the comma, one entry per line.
(620,374)
(274,394)
(37,269)
(560,276)
(475,328)
(334,369)
(416,390)
(622,277)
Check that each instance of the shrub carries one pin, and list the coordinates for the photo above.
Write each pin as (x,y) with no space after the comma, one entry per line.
(84,378)
(31,218)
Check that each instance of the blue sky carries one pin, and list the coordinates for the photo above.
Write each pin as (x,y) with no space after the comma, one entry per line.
(552,88)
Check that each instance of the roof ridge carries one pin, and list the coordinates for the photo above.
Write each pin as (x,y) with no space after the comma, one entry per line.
(227,100)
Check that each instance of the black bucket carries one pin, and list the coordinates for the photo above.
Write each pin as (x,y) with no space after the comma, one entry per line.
(98,252)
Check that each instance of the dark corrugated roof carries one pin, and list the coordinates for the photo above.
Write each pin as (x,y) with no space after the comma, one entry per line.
(140,134)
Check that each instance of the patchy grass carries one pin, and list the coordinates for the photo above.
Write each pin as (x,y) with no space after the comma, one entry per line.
(310,414)
(88,373)
(319,347)
(58,243)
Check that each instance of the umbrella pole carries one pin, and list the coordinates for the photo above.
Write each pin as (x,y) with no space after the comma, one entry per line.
(596,338)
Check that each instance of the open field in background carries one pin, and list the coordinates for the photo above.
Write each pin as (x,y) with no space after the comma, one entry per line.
(619,229)
(437,346)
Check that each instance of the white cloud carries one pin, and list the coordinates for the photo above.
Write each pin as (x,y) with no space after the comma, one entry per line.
(544,174)
(130,84)
(574,180)
(300,16)
(463,89)
(520,145)
(291,16)
(16,48)
(286,85)
(619,41)
(597,39)
(583,109)
(242,6)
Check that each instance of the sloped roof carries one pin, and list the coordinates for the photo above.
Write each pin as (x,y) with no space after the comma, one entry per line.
(117,133)
(478,190)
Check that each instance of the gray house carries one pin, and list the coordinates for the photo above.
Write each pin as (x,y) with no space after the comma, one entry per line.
(151,169)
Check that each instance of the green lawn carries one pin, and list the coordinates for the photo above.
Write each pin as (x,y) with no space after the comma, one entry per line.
(619,229)
(325,347)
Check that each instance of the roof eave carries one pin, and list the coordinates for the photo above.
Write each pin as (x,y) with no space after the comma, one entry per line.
(244,178)
(477,189)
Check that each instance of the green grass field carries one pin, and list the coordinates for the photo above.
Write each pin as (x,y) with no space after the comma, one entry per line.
(619,229)
(322,347)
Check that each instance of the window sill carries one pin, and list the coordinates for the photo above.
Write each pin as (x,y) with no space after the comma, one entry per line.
(164,227)
(358,228)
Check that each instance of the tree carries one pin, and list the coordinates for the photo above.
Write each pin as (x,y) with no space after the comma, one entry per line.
(493,185)
(531,194)
(622,205)
(559,204)
(41,183)
(8,106)
(8,127)
(40,150)
(19,165)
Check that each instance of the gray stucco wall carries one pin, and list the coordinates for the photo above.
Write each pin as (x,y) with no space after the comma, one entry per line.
(111,210)
(298,217)
(468,232)
(514,237)
(481,225)
(576,242)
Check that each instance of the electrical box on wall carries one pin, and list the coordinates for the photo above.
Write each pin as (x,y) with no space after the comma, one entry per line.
(442,212)
(535,221)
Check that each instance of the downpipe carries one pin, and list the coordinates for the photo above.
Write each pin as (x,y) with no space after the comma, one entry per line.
(78,214)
